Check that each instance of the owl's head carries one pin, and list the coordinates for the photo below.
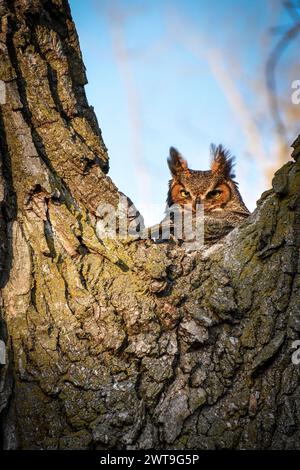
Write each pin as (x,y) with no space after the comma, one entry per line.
(215,189)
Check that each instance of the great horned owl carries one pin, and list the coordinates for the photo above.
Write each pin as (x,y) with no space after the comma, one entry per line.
(215,190)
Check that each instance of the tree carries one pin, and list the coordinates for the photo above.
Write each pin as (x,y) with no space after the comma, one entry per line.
(129,344)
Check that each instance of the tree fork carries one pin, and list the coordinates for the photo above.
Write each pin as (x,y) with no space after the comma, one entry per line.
(128,345)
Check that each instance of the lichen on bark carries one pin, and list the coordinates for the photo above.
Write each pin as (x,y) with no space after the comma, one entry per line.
(129,344)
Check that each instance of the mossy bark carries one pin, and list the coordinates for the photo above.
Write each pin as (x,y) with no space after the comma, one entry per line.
(129,345)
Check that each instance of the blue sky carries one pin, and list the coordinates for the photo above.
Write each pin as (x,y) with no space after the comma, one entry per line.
(186,74)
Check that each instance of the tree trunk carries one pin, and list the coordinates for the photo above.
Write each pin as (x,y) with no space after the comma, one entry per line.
(129,344)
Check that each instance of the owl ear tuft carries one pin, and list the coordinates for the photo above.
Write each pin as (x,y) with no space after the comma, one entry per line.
(222,161)
(177,163)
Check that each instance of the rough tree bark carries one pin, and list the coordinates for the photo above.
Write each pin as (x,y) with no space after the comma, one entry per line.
(128,345)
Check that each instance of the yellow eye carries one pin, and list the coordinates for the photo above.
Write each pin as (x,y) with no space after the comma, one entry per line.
(215,194)
(184,193)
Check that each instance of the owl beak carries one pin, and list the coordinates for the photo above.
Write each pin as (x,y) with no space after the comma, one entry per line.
(197,202)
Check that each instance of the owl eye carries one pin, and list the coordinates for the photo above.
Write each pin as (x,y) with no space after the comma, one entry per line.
(214,194)
(184,193)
